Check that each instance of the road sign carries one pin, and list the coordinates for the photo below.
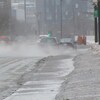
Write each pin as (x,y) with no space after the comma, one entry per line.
(96,13)
(49,34)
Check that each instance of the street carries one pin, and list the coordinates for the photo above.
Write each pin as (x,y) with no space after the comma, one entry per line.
(11,70)
(34,77)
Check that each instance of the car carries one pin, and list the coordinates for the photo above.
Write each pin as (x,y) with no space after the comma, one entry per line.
(5,40)
(47,43)
(67,42)
(43,36)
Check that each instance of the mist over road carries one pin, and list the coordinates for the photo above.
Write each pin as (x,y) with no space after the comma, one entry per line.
(20,63)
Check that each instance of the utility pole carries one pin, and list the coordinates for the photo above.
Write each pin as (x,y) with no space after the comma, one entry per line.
(25,28)
(73,19)
(99,20)
(61,17)
(25,10)
(38,22)
(96,4)
(9,14)
(96,23)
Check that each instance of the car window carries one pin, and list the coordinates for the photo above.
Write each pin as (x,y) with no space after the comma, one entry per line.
(44,40)
(51,40)
(48,40)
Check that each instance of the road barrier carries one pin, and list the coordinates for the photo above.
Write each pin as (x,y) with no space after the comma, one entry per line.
(81,40)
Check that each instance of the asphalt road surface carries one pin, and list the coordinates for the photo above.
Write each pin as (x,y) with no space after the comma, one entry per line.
(11,71)
(44,81)
(33,78)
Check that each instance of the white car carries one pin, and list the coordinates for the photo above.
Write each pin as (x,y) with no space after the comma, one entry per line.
(46,42)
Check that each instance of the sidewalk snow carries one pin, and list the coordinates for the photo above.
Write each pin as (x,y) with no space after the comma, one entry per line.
(95,48)
(90,39)
(84,82)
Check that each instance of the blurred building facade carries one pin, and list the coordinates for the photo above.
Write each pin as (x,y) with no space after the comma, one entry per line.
(5,17)
(75,19)
(23,17)
(23,13)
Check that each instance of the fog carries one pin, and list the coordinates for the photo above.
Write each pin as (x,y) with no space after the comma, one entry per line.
(21,50)
(30,49)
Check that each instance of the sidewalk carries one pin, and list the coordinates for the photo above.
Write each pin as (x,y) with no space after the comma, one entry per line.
(95,48)
(84,82)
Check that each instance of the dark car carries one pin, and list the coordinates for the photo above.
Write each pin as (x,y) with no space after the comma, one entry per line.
(67,42)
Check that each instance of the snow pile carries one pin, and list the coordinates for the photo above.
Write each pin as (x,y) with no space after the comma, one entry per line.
(95,48)
(90,39)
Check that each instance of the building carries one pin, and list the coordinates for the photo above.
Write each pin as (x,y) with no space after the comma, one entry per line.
(74,17)
(24,9)
(5,17)
(23,12)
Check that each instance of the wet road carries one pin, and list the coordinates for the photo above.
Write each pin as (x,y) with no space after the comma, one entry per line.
(44,83)
(11,70)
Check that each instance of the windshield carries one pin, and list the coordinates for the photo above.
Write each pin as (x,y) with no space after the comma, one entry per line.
(48,41)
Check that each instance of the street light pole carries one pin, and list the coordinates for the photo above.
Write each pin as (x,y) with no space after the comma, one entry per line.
(96,4)
(99,20)
(96,35)
(96,24)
